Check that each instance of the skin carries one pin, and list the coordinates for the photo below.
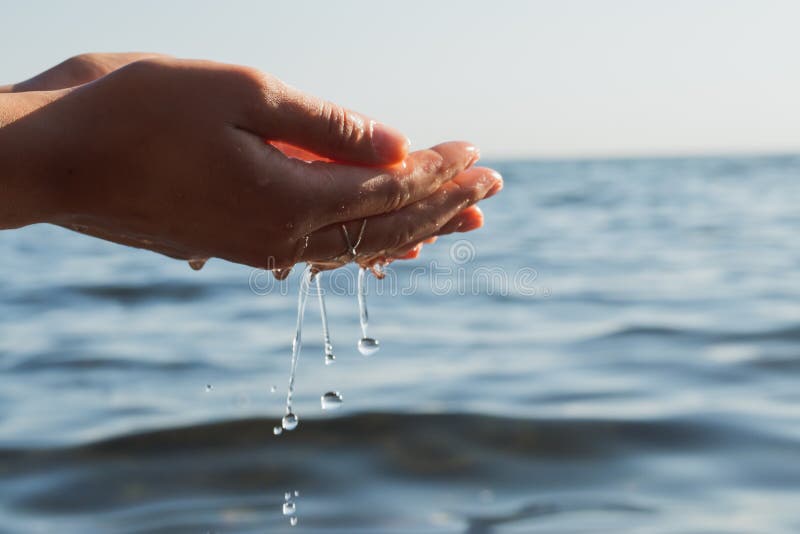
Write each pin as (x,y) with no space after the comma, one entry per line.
(195,159)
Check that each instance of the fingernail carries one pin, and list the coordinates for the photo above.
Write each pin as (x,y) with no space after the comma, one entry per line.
(389,145)
(474,154)
(497,186)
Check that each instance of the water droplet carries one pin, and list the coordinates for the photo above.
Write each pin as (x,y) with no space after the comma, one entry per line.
(368,346)
(281,274)
(289,421)
(273,389)
(296,493)
(329,358)
(209,387)
(331,400)
(289,508)
(287,496)
(197,263)
(277,430)
(293,520)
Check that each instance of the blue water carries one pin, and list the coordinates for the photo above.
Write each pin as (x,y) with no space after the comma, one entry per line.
(618,350)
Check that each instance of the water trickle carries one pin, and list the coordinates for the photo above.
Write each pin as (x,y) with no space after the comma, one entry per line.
(289,507)
(290,420)
(326,337)
(366,345)
(331,400)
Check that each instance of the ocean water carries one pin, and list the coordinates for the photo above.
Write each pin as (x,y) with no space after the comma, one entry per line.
(618,350)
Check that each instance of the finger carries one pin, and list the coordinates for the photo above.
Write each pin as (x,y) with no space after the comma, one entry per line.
(410,224)
(344,192)
(411,254)
(324,128)
(469,219)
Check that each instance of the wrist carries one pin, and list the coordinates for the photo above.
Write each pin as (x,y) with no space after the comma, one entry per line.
(26,189)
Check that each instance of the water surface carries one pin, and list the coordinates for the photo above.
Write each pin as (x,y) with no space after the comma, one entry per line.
(617,351)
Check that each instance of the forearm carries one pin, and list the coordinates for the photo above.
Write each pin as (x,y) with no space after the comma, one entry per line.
(25,194)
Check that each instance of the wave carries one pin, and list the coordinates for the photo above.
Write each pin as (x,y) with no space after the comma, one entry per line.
(789,333)
(191,470)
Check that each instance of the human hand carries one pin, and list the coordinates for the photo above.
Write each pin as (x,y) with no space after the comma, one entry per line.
(77,70)
(169,155)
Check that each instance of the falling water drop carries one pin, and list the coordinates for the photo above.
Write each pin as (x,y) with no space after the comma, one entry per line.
(366,345)
(289,507)
(326,337)
(209,387)
(331,400)
(290,420)
(277,430)
(273,389)
(197,263)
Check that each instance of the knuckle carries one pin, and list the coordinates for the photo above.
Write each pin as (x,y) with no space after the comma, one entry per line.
(248,79)
(82,65)
(79,59)
(394,194)
(143,67)
(403,236)
(433,162)
(342,129)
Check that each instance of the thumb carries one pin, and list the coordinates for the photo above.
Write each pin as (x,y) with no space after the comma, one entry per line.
(325,128)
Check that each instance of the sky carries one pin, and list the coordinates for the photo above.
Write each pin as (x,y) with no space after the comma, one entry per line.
(560,78)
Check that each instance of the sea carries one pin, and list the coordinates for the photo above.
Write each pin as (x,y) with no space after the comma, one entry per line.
(617,350)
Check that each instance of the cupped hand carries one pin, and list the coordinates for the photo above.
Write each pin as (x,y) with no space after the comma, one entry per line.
(170,155)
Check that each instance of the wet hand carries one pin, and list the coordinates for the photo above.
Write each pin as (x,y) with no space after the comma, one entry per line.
(170,155)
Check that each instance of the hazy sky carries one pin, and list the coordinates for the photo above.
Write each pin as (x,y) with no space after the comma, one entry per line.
(535,78)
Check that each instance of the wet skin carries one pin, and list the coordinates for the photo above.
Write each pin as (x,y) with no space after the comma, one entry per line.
(195,159)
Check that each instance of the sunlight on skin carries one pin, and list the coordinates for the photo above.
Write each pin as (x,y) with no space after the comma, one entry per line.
(196,159)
